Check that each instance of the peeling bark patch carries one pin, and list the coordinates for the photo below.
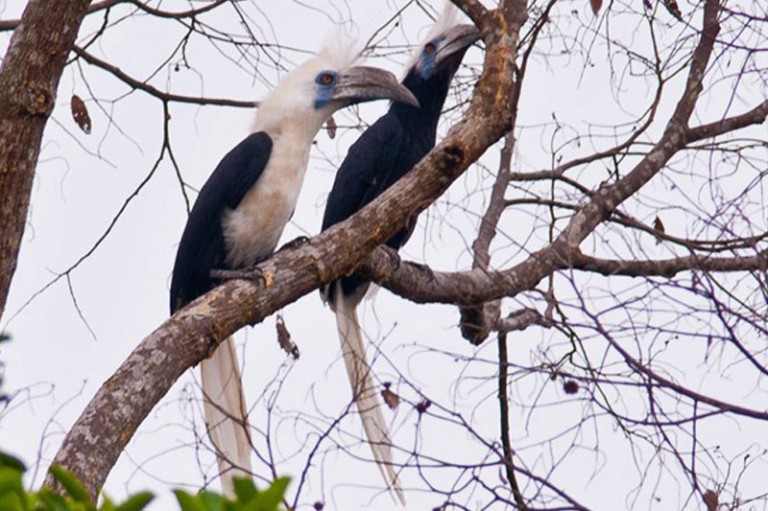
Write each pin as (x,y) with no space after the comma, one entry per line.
(158,357)
(455,154)
(269,279)
(39,99)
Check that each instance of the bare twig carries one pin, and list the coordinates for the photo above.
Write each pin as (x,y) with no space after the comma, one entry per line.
(106,4)
(155,92)
(506,444)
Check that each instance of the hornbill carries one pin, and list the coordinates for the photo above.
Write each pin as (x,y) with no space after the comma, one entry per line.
(383,154)
(241,211)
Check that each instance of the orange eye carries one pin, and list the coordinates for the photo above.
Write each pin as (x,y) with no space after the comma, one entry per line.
(430,48)
(326,78)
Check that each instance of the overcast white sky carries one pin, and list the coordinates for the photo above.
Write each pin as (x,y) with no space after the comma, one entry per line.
(63,349)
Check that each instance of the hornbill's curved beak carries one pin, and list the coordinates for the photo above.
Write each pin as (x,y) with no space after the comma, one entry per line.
(456,41)
(363,83)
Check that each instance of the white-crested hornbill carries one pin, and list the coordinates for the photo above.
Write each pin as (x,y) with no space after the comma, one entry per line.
(383,154)
(241,211)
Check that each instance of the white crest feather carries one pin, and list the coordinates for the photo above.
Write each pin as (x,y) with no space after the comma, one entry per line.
(341,50)
(449,18)
(295,91)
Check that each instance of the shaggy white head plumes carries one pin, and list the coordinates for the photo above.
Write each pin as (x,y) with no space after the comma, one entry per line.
(295,93)
(450,17)
(341,50)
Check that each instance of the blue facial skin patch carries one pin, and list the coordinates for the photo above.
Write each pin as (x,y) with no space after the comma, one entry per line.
(427,58)
(325,82)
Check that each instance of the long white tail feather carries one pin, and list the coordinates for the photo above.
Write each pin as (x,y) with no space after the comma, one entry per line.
(364,392)
(226,415)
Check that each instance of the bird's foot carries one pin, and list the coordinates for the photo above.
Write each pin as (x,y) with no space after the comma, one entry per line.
(426,271)
(294,243)
(394,257)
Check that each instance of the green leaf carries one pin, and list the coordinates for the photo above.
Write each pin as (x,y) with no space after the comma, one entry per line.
(52,501)
(74,488)
(188,502)
(6,460)
(270,499)
(4,337)
(136,502)
(107,504)
(276,491)
(10,480)
(11,502)
(212,501)
(245,490)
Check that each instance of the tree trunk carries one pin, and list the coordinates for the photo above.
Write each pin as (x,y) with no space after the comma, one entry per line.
(29,77)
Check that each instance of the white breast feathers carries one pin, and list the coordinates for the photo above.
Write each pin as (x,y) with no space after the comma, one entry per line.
(253,229)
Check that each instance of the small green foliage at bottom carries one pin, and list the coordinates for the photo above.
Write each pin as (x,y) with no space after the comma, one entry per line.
(247,497)
(14,497)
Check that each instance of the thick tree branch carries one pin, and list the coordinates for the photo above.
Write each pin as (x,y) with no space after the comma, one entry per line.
(477,322)
(96,440)
(522,319)
(421,284)
(475,11)
(755,116)
(29,77)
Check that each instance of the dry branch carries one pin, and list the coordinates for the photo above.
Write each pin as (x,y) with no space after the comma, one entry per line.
(421,284)
(136,84)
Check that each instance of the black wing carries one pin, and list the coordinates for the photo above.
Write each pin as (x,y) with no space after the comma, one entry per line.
(382,155)
(364,172)
(201,248)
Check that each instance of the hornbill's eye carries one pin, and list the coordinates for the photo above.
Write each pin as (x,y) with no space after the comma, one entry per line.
(430,48)
(326,78)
